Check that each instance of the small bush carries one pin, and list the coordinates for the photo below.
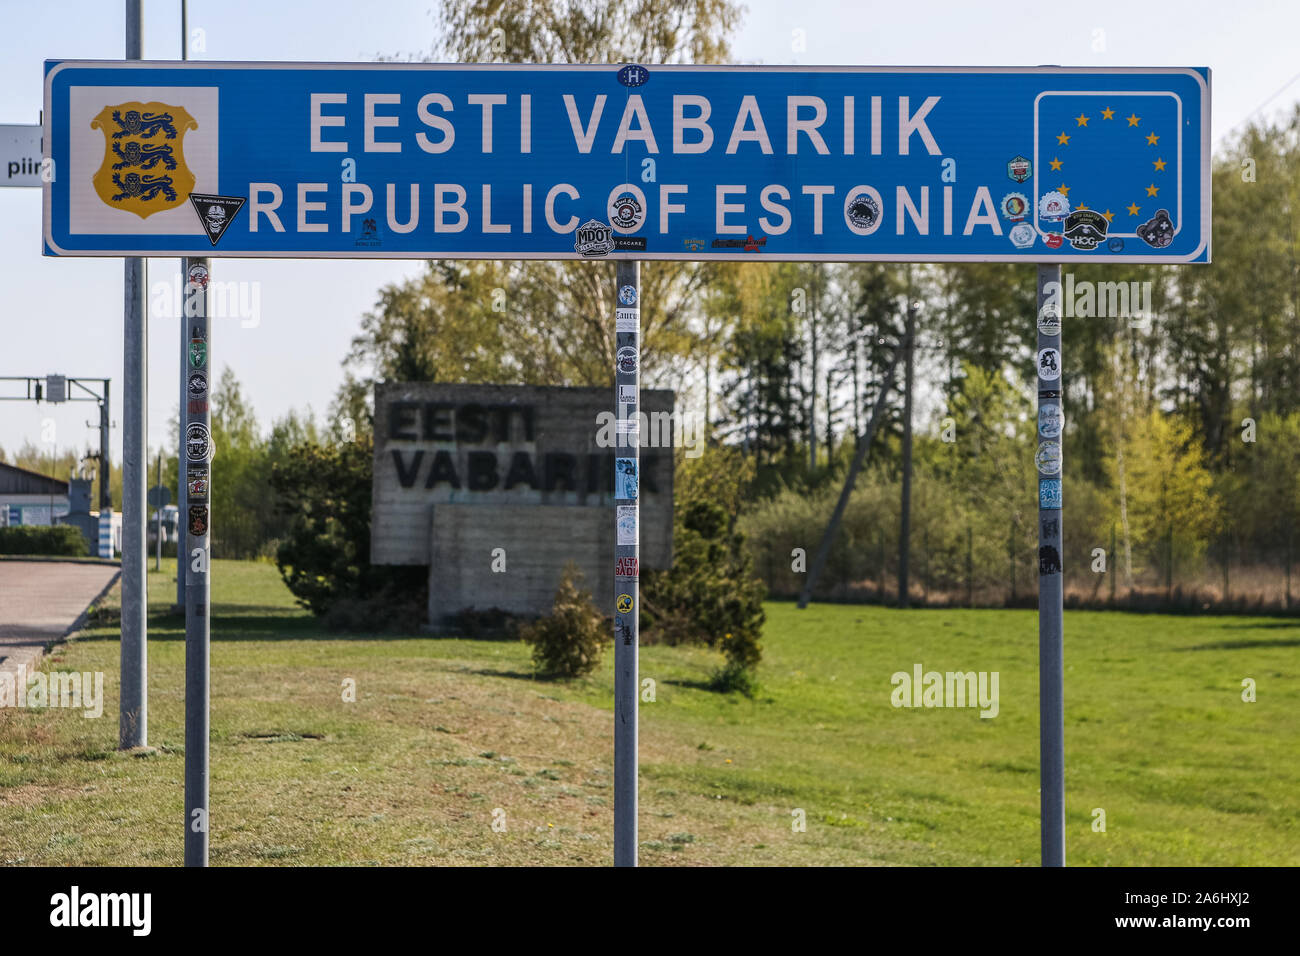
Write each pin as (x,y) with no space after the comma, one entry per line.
(733,678)
(59,539)
(569,641)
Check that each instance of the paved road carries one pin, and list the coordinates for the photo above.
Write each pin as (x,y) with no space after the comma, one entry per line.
(40,601)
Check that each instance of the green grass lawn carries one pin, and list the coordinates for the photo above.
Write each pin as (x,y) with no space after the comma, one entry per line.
(445,731)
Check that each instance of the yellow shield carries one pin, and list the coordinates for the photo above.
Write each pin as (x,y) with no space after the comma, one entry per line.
(144,169)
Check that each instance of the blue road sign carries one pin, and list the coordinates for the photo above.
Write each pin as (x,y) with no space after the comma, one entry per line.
(387,160)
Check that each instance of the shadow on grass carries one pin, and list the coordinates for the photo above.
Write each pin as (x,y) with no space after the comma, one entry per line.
(244,622)
(1270,626)
(1244,645)
(691,684)
(516,675)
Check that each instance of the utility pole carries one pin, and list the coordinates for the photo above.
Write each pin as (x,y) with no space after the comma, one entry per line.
(105,471)
(157,554)
(133,720)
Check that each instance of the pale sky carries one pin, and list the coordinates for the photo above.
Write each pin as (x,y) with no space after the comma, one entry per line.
(64,315)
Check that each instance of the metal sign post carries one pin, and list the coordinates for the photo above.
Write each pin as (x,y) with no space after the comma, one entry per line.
(627,558)
(182,536)
(180,441)
(197,453)
(1051,581)
(133,717)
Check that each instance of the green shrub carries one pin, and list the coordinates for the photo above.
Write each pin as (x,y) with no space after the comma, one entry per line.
(324,556)
(569,641)
(711,595)
(733,678)
(59,539)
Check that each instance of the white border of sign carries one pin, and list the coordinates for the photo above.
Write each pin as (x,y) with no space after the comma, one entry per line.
(1037,257)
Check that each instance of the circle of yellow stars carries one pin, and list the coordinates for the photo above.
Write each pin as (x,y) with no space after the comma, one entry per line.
(1063,139)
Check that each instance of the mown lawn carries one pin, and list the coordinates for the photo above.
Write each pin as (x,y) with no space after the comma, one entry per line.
(445,731)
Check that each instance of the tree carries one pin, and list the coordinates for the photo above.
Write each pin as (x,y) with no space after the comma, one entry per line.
(760,391)
(586,31)
(243,516)
(1171,490)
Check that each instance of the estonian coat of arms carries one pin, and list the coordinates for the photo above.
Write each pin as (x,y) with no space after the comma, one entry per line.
(144,170)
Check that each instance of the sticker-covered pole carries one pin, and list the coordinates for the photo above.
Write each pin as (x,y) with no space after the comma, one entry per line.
(195,511)
(1051,656)
(627,558)
(182,538)
(133,712)
(180,442)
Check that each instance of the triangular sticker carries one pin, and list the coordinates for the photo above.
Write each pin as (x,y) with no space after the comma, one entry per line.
(216,212)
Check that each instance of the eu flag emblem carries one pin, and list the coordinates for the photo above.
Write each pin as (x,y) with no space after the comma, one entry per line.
(1115,155)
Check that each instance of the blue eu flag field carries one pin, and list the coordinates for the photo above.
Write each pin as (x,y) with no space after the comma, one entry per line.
(1118,155)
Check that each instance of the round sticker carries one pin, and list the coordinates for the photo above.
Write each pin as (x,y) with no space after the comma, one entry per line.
(1049,320)
(198,276)
(198,383)
(198,443)
(1015,206)
(1051,420)
(862,210)
(626,213)
(1049,365)
(627,295)
(1048,458)
(627,358)
(1053,207)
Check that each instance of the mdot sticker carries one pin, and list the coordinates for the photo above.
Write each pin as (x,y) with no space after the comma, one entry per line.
(593,238)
